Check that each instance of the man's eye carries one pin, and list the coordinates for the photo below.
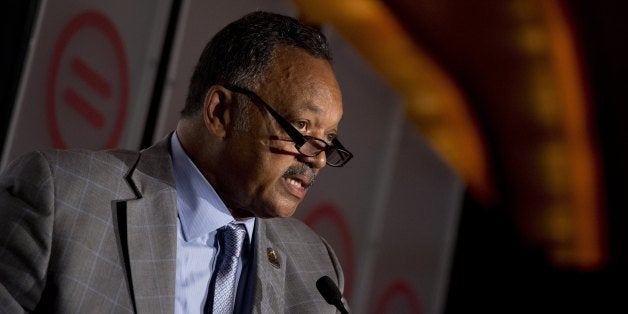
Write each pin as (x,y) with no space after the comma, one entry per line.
(330,138)
(300,125)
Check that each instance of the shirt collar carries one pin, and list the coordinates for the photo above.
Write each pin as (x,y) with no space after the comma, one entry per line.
(201,211)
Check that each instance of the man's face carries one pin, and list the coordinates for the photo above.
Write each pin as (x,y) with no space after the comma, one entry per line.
(264,175)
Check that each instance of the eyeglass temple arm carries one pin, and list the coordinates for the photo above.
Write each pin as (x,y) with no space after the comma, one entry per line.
(295,135)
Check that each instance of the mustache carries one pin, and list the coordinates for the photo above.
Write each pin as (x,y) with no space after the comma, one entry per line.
(301,169)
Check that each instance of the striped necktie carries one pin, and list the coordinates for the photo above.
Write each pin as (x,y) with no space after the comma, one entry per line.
(230,238)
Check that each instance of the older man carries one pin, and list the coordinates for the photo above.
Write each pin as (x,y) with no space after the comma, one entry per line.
(200,221)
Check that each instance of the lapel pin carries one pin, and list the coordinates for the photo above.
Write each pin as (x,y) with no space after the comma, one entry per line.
(272,257)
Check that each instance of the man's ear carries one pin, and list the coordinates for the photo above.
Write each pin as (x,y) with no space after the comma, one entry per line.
(216,110)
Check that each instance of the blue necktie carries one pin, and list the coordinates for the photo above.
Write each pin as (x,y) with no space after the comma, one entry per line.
(231,237)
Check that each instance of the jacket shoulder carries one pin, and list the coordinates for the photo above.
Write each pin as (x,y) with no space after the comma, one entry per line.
(85,158)
(292,228)
(70,166)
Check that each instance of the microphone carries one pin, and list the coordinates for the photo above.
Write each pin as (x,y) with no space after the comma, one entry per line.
(330,293)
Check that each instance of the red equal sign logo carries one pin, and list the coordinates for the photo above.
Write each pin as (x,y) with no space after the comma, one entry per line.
(398,297)
(88,83)
(80,104)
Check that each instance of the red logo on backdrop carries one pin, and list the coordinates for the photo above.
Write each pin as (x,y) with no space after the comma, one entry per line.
(401,292)
(88,84)
(331,213)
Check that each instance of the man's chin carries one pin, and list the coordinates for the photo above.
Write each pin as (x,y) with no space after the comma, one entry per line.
(280,212)
(285,214)
(276,207)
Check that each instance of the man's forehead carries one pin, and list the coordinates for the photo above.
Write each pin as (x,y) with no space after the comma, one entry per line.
(308,107)
(301,83)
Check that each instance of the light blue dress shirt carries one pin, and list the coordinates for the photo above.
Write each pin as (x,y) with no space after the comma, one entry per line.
(201,213)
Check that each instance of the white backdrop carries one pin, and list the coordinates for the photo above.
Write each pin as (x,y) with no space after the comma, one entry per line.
(89,75)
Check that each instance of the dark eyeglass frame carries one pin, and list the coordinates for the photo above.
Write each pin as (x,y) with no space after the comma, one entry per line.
(316,145)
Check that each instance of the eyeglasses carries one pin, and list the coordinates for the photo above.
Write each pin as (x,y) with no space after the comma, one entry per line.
(335,154)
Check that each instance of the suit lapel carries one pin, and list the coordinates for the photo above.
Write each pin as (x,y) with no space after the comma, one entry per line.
(270,279)
(150,222)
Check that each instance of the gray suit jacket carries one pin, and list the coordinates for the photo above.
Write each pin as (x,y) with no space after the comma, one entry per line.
(95,232)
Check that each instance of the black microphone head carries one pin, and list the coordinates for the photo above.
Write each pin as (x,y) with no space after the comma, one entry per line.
(328,290)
